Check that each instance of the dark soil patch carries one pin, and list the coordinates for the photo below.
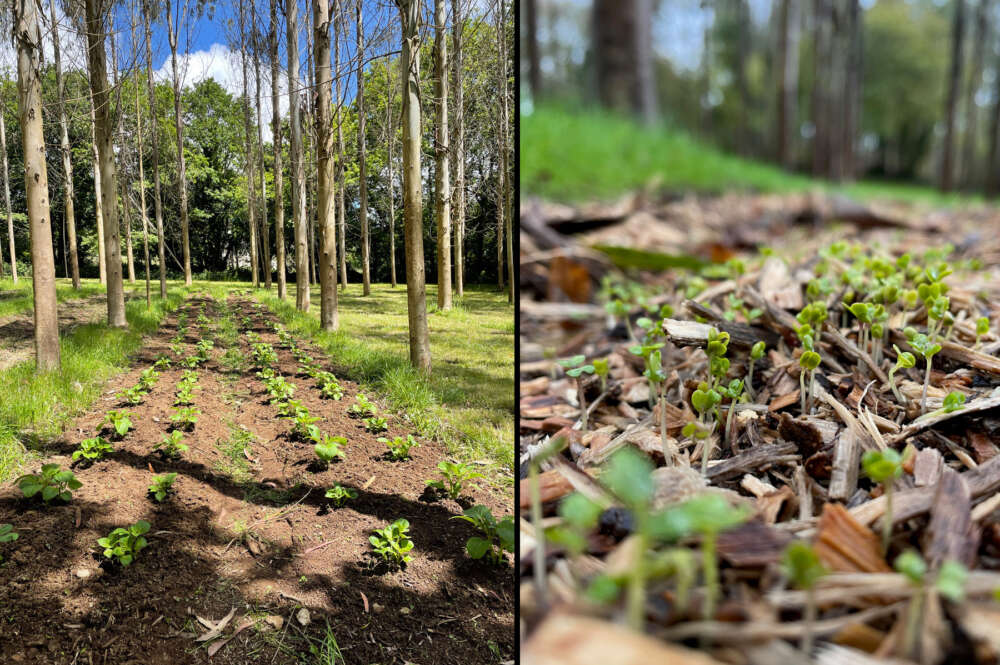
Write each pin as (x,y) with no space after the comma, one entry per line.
(253,533)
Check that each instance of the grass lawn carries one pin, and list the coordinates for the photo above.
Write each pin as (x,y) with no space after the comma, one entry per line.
(17,298)
(467,402)
(583,155)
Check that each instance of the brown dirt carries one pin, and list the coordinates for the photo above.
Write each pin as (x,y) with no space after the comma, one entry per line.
(18,331)
(294,551)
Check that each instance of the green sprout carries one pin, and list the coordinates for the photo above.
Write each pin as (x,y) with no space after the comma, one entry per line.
(808,362)
(576,368)
(884,467)
(982,328)
(735,391)
(705,400)
(657,377)
(949,582)
(709,515)
(601,369)
(953,401)
(803,567)
(619,310)
(904,360)
(162,486)
(925,348)
(756,353)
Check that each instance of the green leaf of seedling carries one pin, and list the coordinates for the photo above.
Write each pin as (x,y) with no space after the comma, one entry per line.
(477,547)
(601,366)
(982,325)
(757,351)
(802,565)
(579,511)
(911,565)
(603,590)
(951,580)
(809,360)
(904,359)
(954,401)
(576,372)
(572,362)
(882,465)
(628,476)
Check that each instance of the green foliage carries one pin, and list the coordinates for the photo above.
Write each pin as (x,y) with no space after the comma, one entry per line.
(375,424)
(122,545)
(904,359)
(330,389)
(304,426)
(263,355)
(278,389)
(882,465)
(456,474)
(51,483)
(912,566)
(950,581)
(399,447)
(757,351)
(132,396)
(185,417)
(339,495)
(328,449)
(497,537)
(363,407)
(92,449)
(171,445)
(162,486)
(802,565)
(954,401)
(393,542)
(120,421)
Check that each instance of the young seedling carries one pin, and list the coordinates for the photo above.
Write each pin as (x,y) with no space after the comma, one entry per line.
(7,535)
(185,394)
(736,394)
(363,407)
(575,368)
(375,424)
(497,537)
(122,545)
(953,401)
(657,377)
(982,328)
(710,515)
(328,449)
(304,427)
(399,448)
(51,483)
(925,348)
(148,378)
(904,360)
(884,467)
(619,310)
(601,369)
(330,389)
(92,449)
(278,389)
(393,542)
(808,362)
(292,409)
(162,486)
(803,568)
(756,353)
(119,421)
(185,417)
(132,396)
(171,445)
(704,400)
(455,475)
(339,495)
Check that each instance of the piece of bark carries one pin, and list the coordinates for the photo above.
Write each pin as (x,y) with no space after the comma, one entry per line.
(692,333)
(750,460)
(935,418)
(843,544)
(802,433)
(564,639)
(927,467)
(537,386)
(553,486)
(846,459)
(981,622)
(752,544)
(741,334)
(951,533)
(849,349)
(982,446)
(769,505)
(782,401)
(777,286)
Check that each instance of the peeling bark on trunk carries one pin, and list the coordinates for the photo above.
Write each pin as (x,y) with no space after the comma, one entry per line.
(6,194)
(341,212)
(172,32)
(142,187)
(458,144)
(69,216)
(98,204)
(442,178)
(249,152)
(29,92)
(102,132)
(390,139)
(416,296)
(951,101)
(264,229)
(325,184)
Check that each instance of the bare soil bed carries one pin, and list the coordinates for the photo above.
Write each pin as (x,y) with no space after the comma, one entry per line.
(250,532)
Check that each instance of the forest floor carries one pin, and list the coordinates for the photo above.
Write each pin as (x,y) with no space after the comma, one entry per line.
(248,534)
(633,548)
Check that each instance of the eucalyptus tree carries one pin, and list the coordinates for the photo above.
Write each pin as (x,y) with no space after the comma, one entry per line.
(96,29)
(416,296)
(265,243)
(6,194)
(28,40)
(147,9)
(389,141)
(175,25)
(362,159)
(296,157)
(248,147)
(98,199)
(67,162)
(457,147)
(325,185)
(442,182)
(279,191)
(342,239)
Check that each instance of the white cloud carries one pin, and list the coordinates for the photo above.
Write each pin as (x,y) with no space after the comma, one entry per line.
(221,63)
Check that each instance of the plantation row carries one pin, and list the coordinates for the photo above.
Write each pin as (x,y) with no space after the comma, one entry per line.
(390,544)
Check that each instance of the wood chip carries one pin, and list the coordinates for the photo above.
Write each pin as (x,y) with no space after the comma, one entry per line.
(846,461)
(752,544)
(951,533)
(843,544)
(750,460)
(553,486)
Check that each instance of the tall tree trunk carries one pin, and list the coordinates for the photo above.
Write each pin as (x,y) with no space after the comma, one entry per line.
(951,102)
(788,81)
(264,230)
(622,42)
(390,140)
(743,89)
(822,53)
(103,133)
(28,39)
(366,285)
(296,157)
(98,200)
(993,147)
(6,193)
(69,216)
(173,29)
(341,209)
(442,177)
(122,181)
(311,156)
(416,290)
(503,53)
(326,185)
(969,161)
(852,91)
(530,37)
(155,136)
(142,184)
(249,151)
(279,190)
